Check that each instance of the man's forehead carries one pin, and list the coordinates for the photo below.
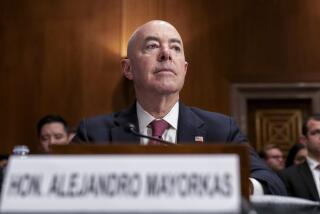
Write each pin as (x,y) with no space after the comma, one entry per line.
(154,29)
(274,149)
(158,30)
(54,123)
(313,123)
(52,126)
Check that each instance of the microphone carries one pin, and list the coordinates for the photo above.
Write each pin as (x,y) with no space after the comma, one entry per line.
(132,129)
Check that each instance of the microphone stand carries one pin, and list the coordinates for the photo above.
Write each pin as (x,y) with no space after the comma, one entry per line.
(132,129)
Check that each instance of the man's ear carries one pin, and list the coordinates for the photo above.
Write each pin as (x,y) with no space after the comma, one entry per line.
(186,66)
(126,68)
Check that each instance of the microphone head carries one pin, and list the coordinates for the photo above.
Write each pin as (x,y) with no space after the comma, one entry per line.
(130,127)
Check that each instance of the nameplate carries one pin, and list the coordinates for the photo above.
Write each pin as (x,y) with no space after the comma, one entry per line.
(123,184)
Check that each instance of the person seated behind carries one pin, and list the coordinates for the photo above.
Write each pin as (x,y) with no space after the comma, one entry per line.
(273,157)
(302,180)
(296,155)
(52,129)
(156,64)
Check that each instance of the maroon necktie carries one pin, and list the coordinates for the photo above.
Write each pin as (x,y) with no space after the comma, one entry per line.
(158,127)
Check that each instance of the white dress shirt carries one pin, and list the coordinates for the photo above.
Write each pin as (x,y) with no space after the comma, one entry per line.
(144,119)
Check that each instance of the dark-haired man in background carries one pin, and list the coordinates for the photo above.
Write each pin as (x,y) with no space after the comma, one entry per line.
(156,64)
(303,180)
(52,129)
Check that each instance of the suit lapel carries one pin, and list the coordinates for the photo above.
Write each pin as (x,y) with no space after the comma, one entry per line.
(122,119)
(307,176)
(189,125)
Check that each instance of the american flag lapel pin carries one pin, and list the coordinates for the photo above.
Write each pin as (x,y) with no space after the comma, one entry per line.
(198,139)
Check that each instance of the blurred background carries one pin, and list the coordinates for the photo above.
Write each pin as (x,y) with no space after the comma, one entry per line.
(257,60)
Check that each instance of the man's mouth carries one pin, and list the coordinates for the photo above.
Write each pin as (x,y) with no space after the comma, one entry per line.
(164,70)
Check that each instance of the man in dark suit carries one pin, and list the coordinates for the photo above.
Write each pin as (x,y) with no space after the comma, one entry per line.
(156,64)
(303,180)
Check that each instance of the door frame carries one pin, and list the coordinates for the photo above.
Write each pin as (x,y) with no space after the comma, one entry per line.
(242,92)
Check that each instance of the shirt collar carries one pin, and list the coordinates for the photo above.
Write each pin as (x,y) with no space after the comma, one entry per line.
(145,118)
(172,116)
(313,164)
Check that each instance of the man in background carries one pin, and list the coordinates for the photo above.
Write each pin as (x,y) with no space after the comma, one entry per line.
(52,129)
(156,64)
(303,180)
(273,157)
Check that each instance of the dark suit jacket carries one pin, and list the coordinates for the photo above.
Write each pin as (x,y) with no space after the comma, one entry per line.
(192,122)
(299,182)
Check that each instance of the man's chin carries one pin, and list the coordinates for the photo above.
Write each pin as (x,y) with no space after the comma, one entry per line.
(167,90)
(168,87)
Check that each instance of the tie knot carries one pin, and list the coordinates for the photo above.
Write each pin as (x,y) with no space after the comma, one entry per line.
(158,127)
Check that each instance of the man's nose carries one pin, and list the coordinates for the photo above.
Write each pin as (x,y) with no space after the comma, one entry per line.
(52,140)
(165,54)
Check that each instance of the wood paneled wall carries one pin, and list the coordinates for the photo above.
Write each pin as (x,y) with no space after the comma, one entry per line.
(62,56)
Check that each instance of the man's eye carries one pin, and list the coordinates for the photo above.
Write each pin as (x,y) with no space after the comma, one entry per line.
(152,46)
(177,48)
(58,136)
(45,137)
(315,132)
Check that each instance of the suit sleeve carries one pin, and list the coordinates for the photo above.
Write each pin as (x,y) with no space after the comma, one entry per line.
(81,133)
(284,177)
(270,181)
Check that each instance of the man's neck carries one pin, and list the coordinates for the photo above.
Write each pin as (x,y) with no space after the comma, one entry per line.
(158,106)
(315,157)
